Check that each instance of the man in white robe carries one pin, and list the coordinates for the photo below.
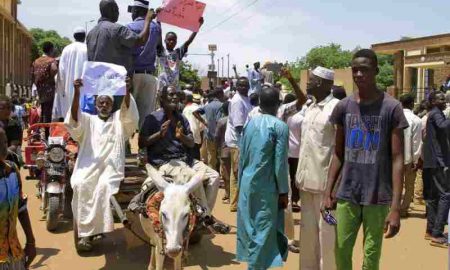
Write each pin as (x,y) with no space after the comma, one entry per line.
(101,161)
(70,68)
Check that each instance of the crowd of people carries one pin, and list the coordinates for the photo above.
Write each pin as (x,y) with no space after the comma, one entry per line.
(342,161)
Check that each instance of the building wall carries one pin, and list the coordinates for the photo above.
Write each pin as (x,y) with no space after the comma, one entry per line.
(15,48)
(343,77)
(441,74)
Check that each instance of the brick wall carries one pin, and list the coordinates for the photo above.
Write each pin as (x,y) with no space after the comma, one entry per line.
(441,74)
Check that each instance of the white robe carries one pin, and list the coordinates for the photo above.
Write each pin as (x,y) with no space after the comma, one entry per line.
(100,166)
(70,68)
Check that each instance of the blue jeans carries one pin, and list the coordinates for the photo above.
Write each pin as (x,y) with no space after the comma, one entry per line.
(437,200)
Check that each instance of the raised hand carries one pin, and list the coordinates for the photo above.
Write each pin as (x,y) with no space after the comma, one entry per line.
(164,128)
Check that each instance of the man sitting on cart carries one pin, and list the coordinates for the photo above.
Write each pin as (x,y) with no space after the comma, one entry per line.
(100,166)
(167,136)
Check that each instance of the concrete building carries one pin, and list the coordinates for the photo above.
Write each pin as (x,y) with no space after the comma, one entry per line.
(15,49)
(420,64)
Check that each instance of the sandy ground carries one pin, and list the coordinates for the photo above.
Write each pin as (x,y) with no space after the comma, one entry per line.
(122,250)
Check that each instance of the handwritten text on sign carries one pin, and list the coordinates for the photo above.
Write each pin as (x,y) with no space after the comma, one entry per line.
(103,79)
(182,13)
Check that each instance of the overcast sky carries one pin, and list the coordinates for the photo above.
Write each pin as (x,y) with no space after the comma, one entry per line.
(281,30)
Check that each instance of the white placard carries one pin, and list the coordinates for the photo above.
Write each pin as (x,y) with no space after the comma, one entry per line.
(101,78)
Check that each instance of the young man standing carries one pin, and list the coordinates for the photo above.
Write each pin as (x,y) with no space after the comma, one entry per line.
(170,59)
(436,174)
(369,155)
(239,109)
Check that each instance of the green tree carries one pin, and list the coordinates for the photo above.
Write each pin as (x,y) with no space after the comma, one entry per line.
(188,75)
(329,56)
(385,77)
(40,36)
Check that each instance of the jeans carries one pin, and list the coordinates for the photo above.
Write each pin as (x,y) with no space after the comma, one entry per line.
(437,197)
(437,214)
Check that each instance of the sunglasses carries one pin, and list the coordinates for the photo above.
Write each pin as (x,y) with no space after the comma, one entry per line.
(328,218)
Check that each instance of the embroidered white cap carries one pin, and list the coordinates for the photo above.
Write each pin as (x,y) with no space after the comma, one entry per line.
(324,73)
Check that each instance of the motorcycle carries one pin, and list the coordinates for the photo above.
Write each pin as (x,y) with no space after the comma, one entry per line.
(52,160)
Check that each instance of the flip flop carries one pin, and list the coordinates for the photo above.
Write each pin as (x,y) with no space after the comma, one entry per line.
(439,242)
(293,248)
(84,245)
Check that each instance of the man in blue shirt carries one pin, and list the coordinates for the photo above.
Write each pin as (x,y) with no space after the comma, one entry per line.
(144,81)
(212,112)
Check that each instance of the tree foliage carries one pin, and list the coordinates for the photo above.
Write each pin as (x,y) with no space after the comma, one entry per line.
(385,77)
(40,36)
(334,57)
(331,56)
(188,75)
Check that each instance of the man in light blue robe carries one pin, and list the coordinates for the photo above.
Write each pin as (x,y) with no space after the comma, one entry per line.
(264,187)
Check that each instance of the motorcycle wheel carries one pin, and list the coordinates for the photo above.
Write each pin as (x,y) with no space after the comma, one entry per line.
(52,212)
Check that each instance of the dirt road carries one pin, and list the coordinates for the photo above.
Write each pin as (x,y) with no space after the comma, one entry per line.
(122,250)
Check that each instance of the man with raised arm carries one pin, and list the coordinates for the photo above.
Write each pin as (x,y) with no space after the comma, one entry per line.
(101,161)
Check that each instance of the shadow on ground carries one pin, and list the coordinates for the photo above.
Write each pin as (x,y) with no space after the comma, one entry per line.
(46,254)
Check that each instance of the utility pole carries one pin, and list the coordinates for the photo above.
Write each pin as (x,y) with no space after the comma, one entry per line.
(223,75)
(218,67)
(228,63)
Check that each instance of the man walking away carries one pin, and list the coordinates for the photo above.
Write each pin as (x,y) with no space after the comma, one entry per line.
(264,187)
(436,173)
(413,149)
(71,65)
(145,82)
(44,70)
(369,156)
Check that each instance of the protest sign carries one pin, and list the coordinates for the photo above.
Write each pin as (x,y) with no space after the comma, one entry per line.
(182,13)
(103,79)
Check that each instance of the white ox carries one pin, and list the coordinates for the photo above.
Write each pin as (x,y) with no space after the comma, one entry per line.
(175,211)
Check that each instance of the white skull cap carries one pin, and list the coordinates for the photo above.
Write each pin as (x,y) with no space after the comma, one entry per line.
(324,73)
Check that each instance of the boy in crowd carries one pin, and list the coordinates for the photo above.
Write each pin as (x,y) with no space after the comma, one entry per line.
(369,156)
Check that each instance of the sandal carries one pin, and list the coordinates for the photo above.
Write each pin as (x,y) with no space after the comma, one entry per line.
(439,242)
(296,208)
(293,248)
(216,226)
(84,245)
